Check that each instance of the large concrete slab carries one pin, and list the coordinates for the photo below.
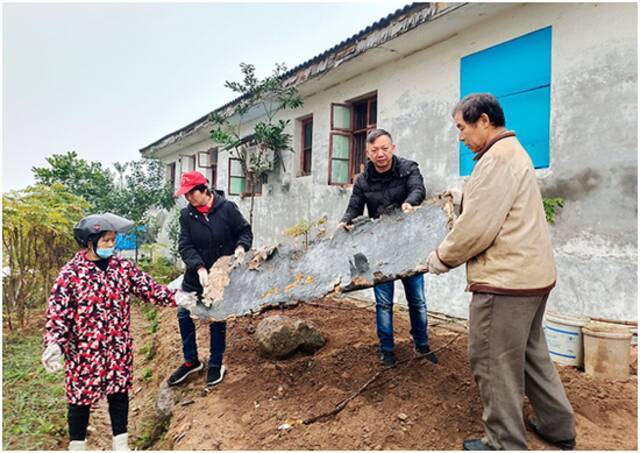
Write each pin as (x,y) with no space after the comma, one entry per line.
(375,251)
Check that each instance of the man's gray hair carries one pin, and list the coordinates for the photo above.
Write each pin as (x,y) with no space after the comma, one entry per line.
(376,133)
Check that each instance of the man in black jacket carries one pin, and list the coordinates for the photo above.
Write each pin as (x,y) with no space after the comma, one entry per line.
(388,183)
(210,227)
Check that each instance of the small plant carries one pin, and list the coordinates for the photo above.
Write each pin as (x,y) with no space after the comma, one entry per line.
(148,350)
(261,151)
(153,326)
(152,432)
(147,374)
(304,227)
(160,268)
(550,206)
(174,233)
(151,314)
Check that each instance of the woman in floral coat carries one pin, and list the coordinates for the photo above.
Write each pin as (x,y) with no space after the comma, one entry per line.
(88,321)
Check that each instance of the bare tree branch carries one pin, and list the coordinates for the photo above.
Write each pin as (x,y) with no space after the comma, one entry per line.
(342,404)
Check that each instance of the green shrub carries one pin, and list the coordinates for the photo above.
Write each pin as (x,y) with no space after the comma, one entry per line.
(160,268)
(550,206)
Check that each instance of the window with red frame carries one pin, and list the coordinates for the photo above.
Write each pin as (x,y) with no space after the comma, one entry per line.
(350,124)
(237,180)
(305,148)
(207,165)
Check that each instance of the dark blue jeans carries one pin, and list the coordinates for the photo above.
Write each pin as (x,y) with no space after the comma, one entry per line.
(414,290)
(217,340)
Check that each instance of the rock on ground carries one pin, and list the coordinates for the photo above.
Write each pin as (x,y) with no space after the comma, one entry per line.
(281,336)
(441,401)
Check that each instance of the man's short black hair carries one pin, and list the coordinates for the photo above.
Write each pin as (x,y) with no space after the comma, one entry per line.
(475,104)
(376,133)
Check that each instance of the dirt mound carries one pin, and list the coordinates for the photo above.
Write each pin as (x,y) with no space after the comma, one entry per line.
(417,405)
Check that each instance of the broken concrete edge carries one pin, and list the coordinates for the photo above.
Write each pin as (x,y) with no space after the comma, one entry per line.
(360,282)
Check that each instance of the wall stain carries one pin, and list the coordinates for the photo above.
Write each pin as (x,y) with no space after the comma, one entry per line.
(629,181)
(574,188)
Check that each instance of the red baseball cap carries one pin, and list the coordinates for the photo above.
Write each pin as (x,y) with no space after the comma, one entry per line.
(189,180)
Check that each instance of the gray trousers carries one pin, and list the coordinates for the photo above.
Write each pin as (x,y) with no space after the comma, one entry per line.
(509,359)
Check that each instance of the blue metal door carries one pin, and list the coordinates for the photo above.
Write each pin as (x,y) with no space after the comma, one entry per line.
(518,73)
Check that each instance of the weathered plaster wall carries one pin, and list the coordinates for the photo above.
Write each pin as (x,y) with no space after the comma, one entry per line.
(593,148)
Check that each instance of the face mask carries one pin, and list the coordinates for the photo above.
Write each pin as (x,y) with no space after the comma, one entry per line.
(105,253)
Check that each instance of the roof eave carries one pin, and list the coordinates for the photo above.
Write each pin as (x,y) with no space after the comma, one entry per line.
(404,19)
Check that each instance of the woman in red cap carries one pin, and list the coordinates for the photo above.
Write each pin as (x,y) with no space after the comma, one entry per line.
(210,227)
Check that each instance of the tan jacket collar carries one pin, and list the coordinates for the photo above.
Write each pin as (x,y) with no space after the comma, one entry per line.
(492,142)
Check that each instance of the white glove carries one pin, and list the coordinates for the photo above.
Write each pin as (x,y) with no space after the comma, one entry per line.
(51,358)
(203,276)
(239,253)
(435,266)
(407,207)
(176,284)
(185,299)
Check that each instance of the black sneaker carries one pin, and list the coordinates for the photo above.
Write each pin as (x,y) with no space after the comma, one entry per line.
(181,373)
(426,351)
(569,444)
(215,375)
(388,358)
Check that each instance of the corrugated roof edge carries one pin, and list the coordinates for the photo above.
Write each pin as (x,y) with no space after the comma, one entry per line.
(381,23)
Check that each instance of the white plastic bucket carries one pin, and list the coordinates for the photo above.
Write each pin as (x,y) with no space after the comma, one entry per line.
(564,337)
(607,348)
(631,325)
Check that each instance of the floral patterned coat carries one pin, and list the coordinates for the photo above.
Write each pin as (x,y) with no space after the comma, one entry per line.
(89,317)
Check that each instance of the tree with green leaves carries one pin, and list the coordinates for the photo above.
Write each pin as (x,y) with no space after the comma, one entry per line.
(139,186)
(88,180)
(142,186)
(37,239)
(174,233)
(261,151)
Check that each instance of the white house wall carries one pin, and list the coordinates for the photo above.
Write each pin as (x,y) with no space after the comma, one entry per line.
(593,147)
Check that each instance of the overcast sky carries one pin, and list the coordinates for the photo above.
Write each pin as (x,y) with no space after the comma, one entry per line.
(108,79)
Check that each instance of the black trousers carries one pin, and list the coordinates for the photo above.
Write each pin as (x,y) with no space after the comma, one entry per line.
(78,416)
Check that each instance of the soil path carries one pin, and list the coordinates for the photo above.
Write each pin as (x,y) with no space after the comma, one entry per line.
(417,405)
(142,398)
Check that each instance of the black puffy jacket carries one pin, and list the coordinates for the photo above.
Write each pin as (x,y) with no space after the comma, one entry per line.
(205,239)
(384,192)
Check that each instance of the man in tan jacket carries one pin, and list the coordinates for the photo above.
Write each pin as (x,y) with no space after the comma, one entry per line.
(503,238)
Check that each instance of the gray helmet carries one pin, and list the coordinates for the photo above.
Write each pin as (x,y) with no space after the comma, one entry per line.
(99,223)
